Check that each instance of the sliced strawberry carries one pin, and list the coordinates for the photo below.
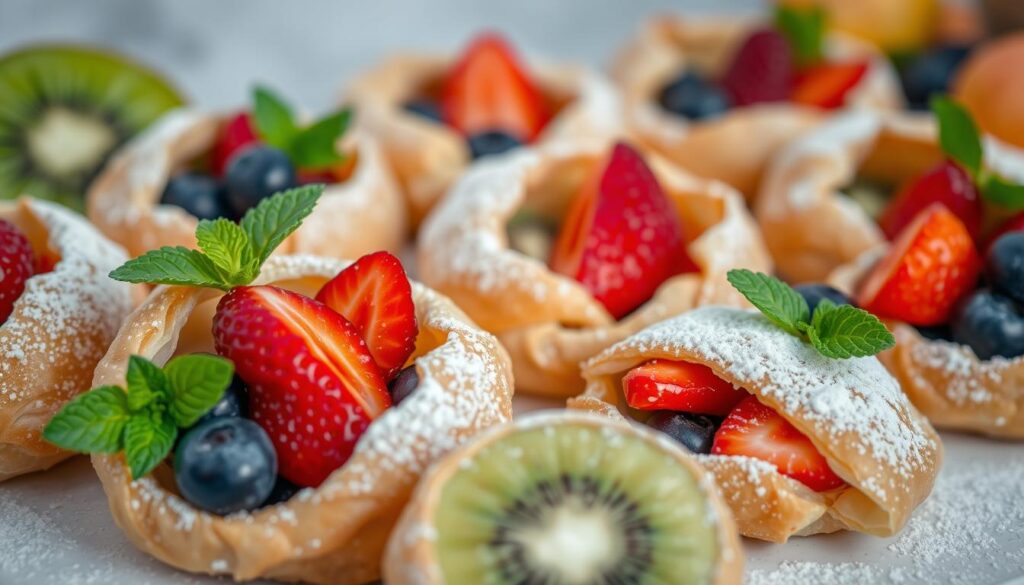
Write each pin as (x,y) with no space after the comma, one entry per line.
(622,238)
(826,85)
(312,382)
(1014,224)
(681,387)
(375,295)
(947,184)
(755,430)
(931,266)
(235,135)
(488,89)
(761,70)
(17,265)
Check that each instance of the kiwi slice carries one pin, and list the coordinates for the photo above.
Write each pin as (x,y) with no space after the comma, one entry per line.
(575,503)
(63,111)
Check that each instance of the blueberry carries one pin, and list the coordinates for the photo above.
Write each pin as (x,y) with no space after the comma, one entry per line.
(930,73)
(225,465)
(425,108)
(1004,265)
(404,384)
(282,492)
(197,194)
(492,142)
(991,324)
(234,403)
(935,332)
(692,96)
(813,293)
(256,173)
(696,432)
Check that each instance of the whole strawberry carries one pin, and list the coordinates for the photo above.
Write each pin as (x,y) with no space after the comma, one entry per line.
(17,264)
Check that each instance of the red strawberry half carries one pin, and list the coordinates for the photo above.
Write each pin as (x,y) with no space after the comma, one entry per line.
(930,267)
(235,135)
(755,430)
(826,85)
(312,382)
(761,70)
(17,265)
(488,89)
(622,237)
(947,184)
(375,295)
(679,386)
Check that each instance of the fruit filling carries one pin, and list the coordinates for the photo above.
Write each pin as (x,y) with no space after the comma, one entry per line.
(18,263)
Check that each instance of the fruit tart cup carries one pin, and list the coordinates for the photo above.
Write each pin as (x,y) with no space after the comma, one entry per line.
(608,502)
(562,252)
(434,114)
(720,97)
(808,444)
(192,165)
(59,313)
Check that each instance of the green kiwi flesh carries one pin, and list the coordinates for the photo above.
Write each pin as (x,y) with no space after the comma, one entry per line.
(63,111)
(575,504)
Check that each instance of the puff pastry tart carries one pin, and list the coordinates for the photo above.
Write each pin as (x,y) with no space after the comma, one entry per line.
(696,90)
(435,114)
(563,252)
(154,191)
(59,313)
(605,502)
(808,444)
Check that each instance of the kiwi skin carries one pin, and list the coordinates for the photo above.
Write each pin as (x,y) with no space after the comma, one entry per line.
(436,542)
(64,110)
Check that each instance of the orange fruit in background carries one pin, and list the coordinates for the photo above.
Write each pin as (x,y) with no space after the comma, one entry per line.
(896,26)
(991,86)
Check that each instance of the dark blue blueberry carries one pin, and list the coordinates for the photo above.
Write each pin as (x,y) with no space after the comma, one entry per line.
(492,142)
(935,332)
(234,403)
(282,492)
(696,432)
(404,384)
(813,293)
(1004,266)
(255,174)
(930,73)
(692,96)
(225,465)
(425,108)
(991,324)
(197,194)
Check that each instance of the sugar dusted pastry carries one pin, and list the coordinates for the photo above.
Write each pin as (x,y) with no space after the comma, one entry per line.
(59,314)
(516,247)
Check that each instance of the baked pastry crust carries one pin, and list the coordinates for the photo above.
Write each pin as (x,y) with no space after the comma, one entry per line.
(363,214)
(852,411)
(734,147)
(549,322)
(334,534)
(411,555)
(60,328)
(428,157)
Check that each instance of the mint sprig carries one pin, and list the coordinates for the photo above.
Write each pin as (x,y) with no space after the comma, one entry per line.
(804,28)
(313,147)
(144,418)
(230,254)
(836,331)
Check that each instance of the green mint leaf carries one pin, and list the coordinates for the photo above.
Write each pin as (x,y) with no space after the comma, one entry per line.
(844,332)
(1002,192)
(780,304)
(804,28)
(227,245)
(148,438)
(316,147)
(145,382)
(958,134)
(172,265)
(196,383)
(275,218)
(93,422)
(274,120)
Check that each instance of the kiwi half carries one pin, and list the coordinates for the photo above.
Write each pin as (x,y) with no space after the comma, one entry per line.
(63,111)
(576,500)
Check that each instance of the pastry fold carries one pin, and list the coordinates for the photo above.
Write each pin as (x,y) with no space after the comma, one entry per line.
(334,534)
(362,214)
(736,146)
(852,411)
(59,330)
(549,322)
(428,156)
